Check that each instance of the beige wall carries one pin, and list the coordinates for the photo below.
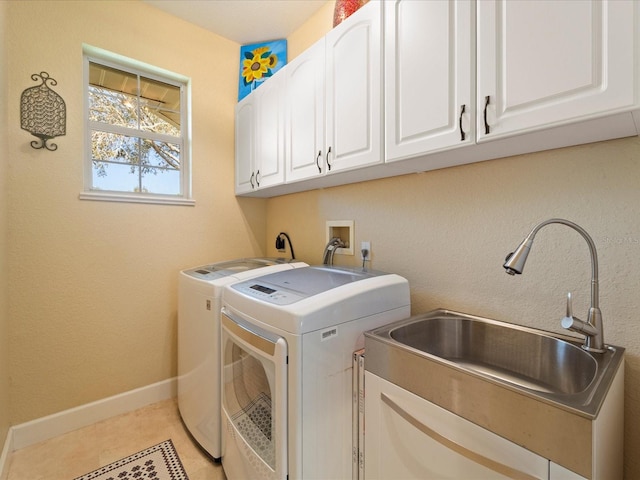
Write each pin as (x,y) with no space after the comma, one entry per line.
(4,318)
(448,232)
(93,284)
(92,293)
(314,29)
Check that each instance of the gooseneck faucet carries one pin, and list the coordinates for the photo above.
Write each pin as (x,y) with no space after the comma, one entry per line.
(592,328)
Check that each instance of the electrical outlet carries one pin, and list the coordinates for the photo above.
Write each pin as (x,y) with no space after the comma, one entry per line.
(365,246)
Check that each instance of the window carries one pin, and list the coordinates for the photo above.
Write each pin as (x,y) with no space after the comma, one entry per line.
(137,147)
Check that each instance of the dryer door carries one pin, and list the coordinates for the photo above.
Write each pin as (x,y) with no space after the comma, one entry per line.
(254,401)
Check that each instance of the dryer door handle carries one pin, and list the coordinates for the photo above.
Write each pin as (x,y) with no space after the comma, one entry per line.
(257,341)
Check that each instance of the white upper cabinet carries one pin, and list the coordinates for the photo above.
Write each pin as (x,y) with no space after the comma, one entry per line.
(545,63)
(334,99)
(270,133)
(444,83)
(429,76)
(305,114)
(353,82)
(245,144)
(260,137)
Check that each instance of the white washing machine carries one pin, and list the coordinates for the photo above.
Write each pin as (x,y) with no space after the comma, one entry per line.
(287,349)
(199,291)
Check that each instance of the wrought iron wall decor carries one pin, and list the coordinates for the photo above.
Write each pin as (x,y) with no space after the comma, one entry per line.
(43,112)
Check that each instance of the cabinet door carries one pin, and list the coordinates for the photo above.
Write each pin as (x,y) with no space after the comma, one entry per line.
(353,89)
(269,152)
(410,438)
(245,144)
(305,114)
(547,62)
(428,76)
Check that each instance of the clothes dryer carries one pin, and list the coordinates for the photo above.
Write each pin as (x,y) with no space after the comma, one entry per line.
(199,291)
(288,340)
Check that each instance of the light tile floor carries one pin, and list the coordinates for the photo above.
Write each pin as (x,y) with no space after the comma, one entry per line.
(75,453)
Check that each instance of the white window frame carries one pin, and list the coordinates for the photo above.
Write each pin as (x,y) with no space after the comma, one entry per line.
(103,57)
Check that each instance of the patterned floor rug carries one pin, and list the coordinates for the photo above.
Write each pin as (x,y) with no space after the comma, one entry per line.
(160,462)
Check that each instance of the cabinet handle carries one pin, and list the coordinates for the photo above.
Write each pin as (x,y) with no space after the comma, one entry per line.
(462,135)
(258,178)
(318,161)
(475,457)
(251,180)
(328,164)
(487,130)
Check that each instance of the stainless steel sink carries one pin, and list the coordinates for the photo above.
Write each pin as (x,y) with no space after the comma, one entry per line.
(538,389)
(545,365)
(532,360)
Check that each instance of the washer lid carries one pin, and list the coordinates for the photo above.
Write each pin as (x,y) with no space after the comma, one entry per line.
(291,286)
(232,267)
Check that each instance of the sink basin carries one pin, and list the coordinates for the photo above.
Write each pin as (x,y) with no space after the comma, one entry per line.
(530,359)
(547,366)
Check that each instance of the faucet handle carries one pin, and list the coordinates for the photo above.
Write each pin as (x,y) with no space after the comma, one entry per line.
(575,324)
(568,320)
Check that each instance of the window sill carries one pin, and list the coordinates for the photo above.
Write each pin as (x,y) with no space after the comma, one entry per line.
(149,199)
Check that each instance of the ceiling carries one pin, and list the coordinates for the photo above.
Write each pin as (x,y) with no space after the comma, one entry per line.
(243,21)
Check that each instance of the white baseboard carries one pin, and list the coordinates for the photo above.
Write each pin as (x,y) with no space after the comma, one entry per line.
(51,426)
(4,456)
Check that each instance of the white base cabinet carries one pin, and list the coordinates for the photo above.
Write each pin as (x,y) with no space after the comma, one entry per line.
(410,438)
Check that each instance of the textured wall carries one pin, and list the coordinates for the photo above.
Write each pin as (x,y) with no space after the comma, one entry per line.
(4,318)
(448,232)
(93,284)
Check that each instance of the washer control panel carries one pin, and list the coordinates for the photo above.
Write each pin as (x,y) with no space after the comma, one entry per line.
(267,293)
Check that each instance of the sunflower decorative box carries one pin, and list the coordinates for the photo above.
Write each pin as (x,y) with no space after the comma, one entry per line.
(258,62)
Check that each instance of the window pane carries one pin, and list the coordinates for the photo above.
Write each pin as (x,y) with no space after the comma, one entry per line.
(118,177)
(160,107)
(160,181)
(161,154)
(113,96)
(113,147)
(127,178)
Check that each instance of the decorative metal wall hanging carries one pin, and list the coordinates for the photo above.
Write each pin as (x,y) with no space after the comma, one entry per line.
(43,112)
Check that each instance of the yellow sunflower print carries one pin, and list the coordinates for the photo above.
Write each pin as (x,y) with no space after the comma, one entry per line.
(258,64)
